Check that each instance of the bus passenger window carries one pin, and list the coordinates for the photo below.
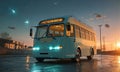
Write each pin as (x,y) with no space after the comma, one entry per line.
(68,27)
(69,30)
(77,32)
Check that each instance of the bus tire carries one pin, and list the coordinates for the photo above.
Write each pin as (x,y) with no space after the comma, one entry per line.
(91,54)
(89,57)
(78,55)
(40,59)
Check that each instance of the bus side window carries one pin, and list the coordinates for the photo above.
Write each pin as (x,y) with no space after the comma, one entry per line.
(77,31)
(69,30)
(68,27)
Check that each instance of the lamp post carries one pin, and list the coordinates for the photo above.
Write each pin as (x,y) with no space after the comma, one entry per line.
(104,48)
(107,26)
(100,37)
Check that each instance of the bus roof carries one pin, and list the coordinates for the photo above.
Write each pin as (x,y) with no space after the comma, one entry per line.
(73,20)
(55,19)
(66,19)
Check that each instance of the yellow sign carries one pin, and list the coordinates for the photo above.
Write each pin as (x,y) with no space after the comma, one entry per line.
(51,21)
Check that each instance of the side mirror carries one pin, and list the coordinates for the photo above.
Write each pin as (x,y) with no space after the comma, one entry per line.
(31,32)
(68,27)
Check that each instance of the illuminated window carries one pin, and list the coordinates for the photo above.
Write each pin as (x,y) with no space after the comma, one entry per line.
(83,33)
(87,35)
(56,30)
(69,30)
(77,32)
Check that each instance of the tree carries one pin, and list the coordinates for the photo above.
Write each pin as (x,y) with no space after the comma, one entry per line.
(5,35)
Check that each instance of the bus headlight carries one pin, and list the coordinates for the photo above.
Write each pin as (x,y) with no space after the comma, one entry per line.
(55,48)
(36,48)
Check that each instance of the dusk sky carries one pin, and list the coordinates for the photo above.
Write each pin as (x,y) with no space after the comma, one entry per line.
(22,14)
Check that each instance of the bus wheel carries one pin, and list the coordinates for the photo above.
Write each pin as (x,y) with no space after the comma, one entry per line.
(78,55)
(89,57)
(40,59)
(91,54)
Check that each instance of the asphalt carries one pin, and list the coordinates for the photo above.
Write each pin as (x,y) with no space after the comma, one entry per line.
(100,63)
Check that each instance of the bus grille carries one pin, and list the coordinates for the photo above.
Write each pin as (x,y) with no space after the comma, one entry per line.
(44,53)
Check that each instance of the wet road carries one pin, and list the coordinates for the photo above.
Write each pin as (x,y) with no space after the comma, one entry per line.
(106,63)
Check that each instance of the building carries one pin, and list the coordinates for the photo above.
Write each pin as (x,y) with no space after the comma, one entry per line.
(11,44)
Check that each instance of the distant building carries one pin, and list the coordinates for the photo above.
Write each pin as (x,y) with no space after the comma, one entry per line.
(11,44)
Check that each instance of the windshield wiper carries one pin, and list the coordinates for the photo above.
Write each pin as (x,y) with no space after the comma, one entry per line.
(43,35)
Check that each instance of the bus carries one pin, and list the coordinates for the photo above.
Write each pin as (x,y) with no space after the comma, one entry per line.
(63,38)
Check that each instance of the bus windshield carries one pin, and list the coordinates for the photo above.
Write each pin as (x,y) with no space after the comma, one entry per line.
(41,31)
(55,30)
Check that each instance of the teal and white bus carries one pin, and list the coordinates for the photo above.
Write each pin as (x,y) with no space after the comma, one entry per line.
(63,37)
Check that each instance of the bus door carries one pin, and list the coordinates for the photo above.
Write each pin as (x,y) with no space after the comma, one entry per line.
(70,37)
(70,32)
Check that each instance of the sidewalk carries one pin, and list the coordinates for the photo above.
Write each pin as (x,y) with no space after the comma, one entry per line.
(115,52)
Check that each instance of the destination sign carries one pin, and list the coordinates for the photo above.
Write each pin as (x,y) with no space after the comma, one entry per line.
(51,21)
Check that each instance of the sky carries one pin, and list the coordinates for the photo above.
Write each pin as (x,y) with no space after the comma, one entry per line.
(22,14)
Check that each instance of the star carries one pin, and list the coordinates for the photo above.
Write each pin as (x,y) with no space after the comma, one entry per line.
(13,11)
(27,22)
(55,3)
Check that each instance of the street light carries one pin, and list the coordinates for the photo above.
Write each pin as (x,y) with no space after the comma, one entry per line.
(100,37)
(107,26)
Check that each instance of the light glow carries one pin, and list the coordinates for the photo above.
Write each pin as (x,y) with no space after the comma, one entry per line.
(26,22)
(119,60)
(55,48)
(36,48)
(118,44)
(51,21)
(13,11)
(50,48)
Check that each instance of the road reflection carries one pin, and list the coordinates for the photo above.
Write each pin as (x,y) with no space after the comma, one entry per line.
(119,60)
(27,59)
(27,62)
(108,63)
(65,66)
